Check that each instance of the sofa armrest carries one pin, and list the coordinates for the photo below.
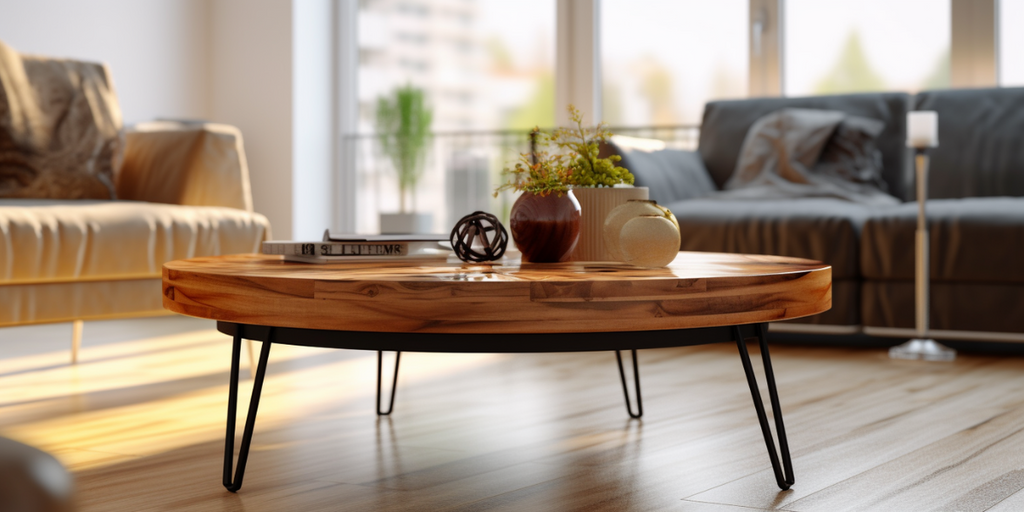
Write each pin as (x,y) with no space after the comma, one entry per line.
(198,164)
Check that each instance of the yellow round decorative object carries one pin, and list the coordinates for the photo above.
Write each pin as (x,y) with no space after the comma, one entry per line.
(649,241)
(626,212)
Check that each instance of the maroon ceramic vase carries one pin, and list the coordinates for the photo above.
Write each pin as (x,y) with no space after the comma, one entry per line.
(545,228)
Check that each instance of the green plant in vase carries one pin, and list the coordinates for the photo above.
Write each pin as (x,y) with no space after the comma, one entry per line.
(574,163)
(583,145)
(545,219)
(547,228)
(402,122)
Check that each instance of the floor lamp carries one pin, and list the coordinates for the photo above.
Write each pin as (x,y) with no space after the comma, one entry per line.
(922,133)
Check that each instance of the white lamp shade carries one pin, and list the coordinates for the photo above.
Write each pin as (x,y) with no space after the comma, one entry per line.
(922,129)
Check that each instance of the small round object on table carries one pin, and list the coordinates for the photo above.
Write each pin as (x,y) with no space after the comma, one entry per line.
(624,213)
(649,241)
(485,228)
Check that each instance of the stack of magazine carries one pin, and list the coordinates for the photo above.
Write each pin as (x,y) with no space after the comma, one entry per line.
(349,247)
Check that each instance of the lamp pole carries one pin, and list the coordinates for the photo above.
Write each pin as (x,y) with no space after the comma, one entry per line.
(922,133)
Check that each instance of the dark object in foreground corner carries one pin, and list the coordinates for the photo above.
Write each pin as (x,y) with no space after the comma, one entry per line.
(31,479)
(484,227)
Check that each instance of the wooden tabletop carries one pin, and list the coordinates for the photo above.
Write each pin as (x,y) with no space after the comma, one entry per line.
(696,290)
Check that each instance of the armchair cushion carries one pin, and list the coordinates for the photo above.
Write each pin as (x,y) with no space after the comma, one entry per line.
(46,241)
(197,164)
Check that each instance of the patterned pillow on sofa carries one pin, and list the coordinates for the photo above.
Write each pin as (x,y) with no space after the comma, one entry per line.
(60,128)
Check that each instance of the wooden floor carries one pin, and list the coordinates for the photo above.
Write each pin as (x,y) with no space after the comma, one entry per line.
(140,421)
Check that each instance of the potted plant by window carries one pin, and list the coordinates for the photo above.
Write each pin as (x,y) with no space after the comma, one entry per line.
(550,222)
(403,130)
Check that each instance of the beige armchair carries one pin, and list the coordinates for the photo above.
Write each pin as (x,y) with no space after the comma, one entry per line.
(183,191)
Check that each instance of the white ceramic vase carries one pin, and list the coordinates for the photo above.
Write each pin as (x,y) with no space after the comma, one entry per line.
(595,205)
(622,214)
(649,241)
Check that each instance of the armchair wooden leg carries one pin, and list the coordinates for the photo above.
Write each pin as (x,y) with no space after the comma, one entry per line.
(76,340)
(252,358)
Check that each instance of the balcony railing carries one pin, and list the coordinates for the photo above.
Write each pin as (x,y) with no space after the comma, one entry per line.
(461,171)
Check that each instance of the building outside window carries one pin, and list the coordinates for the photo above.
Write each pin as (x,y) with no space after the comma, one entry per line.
(1011,43)
(488,66)
(483,65)
(661,61)
(838,46)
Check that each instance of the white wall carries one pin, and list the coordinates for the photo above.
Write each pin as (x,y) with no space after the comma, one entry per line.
(251,88)
(156,49)
(314,118)
(239,62)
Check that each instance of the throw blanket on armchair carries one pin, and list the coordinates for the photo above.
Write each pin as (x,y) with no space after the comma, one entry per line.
(810,153)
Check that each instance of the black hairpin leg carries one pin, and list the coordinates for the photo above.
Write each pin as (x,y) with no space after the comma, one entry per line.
(394,383)
(787,465)
(235,484)
(636,382)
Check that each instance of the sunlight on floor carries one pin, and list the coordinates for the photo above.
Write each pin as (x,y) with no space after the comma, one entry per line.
(150,395)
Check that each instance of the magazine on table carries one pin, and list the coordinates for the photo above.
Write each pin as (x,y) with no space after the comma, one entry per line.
(336,247)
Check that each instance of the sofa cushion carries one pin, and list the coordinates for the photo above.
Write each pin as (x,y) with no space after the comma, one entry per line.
(980,152)
(821,229)
(52,241)
(817,228)
(985,307)
(726,124)
(669,174)
(972,239)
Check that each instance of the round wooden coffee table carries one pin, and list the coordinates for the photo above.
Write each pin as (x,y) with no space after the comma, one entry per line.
(436,307)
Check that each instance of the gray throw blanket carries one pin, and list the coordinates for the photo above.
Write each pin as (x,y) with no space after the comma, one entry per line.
(795,153)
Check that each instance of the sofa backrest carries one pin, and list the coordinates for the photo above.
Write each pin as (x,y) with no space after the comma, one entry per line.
(726,123)
(981,142)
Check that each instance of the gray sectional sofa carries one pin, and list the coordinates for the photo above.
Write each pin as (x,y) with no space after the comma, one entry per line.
(975,213)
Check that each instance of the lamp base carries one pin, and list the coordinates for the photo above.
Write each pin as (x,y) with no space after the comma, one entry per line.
(926,350)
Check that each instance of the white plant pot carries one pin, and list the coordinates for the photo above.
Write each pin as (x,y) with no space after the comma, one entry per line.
(595,205)
(406,223)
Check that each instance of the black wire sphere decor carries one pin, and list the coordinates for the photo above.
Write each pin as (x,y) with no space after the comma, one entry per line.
(481,227)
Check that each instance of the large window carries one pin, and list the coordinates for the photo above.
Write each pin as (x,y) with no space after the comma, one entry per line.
(487,70)
(1011,42)
(842,46)
(661,61)
(483,64)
